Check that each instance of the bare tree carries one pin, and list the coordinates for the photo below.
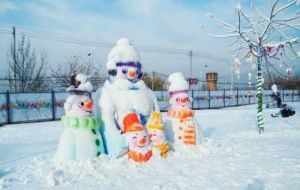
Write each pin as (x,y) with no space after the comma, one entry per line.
(266,37)
(75,65)
(155,82)
(28,71)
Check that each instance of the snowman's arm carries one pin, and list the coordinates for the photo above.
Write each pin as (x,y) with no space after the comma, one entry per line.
(199,131)
(107,107)
(114,142)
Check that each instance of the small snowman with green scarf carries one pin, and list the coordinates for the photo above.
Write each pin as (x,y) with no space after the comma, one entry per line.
(81,139)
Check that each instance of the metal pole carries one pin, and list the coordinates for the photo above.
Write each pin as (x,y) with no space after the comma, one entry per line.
(208,99)
(15,61)
(193,99)
(53,104)
(152,85)
(237,97)
(8,107)
(224,103)
(293,96)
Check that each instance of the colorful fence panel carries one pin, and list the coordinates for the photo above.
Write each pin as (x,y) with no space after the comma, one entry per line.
(30,107)
(34,107)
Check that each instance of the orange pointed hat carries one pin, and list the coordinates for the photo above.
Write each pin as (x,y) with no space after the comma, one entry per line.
(131,123)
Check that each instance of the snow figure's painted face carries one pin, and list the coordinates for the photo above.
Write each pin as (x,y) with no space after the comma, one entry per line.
(128,72)
(157,137)
(138,140)
(78,105)
(181,100)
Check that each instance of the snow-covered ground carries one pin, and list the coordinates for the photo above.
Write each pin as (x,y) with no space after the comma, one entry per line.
(234,156)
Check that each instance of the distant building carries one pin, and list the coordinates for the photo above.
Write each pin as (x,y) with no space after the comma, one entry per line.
(212,79)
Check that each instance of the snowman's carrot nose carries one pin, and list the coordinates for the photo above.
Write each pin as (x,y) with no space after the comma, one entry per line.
(142,141)
(132,73)
(88,105)
(183,100)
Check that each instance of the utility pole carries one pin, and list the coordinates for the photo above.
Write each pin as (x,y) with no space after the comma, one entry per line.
(191,63)
(15,61)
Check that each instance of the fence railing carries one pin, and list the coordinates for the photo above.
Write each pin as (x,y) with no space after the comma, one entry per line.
(47,106)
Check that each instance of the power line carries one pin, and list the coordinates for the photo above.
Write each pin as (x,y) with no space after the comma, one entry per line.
(108,44)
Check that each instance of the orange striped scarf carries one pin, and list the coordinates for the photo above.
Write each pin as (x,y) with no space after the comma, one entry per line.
(187,133)
(139,157)
(180,114)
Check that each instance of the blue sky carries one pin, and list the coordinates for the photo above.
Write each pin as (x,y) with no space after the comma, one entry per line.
(171,24)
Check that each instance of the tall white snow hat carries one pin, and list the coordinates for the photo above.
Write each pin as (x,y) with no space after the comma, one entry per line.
(122,53)
(177,83)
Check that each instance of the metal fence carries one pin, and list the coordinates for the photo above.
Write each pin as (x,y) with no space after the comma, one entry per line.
(47,106)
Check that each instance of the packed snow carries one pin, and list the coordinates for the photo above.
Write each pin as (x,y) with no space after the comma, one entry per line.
(233,156)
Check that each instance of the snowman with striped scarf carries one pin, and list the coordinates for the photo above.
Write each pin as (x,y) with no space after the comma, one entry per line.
(182,128)
(80,139)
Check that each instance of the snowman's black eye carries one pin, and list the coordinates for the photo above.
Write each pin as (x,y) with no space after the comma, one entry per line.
(177,99)
(80,104)
(124,71)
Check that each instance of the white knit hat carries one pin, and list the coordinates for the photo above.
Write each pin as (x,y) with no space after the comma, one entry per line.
(83,84)
(177,82)
(123,52)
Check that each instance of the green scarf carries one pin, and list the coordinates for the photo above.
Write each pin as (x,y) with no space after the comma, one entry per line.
(88,122)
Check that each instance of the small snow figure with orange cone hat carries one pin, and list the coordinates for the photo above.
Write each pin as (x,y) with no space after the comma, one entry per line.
(81,139)
(181,126)
(139,148)
(157,135)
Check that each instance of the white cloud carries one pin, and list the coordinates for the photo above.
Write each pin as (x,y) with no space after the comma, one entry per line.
(6,6)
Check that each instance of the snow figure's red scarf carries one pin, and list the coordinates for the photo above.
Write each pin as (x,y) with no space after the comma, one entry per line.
(187,132)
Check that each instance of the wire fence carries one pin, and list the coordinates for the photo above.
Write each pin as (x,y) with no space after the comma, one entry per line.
(45,106)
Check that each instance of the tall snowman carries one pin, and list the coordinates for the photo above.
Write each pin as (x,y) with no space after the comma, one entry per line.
(80,139)
(124,92)
(182,128)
